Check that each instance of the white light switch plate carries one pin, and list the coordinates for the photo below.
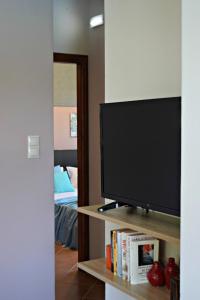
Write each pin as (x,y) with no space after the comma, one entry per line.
(33,146)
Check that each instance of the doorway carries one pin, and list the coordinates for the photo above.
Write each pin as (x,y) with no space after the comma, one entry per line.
(81,64)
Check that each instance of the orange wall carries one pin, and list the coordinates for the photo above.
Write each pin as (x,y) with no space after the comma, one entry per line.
(62,138)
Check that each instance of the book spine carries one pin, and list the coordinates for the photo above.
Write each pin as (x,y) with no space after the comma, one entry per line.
(112,251)
(108,257)
(124,256)
(115,252)
(131,263)
(128,239)
(119,254)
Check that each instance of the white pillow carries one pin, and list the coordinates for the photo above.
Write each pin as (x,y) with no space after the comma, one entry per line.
(73,175)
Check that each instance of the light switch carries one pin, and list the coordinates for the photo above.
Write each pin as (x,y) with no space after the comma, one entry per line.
(33,146)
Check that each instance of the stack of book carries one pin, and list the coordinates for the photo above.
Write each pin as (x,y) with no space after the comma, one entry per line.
(132,254)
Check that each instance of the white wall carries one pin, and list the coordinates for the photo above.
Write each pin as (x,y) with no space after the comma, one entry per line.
(26,97)
(142,56)
(71,25)
(113,293)
(64,84)
(142,46)
(62,128)
(72,35)
(190,205)
(96,96)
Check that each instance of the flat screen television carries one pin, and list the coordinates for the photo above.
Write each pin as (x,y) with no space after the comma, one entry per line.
(141,153)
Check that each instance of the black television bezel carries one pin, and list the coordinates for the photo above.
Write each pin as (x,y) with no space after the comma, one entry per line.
(134,202)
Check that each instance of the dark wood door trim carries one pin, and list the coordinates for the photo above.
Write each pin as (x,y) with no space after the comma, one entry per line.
(83,149)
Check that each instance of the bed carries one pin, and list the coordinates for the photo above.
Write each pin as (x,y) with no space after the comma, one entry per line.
(66,216)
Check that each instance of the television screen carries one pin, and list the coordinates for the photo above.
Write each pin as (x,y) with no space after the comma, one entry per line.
(141,153)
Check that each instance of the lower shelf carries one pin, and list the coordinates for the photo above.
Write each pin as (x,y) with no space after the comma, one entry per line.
(97,268)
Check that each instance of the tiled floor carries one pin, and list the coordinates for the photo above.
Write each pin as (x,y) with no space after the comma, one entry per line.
(72,284)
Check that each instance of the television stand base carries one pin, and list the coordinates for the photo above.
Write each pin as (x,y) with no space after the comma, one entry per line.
(117,204)
(111,205)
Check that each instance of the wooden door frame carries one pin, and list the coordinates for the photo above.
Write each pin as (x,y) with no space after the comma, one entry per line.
(83,149)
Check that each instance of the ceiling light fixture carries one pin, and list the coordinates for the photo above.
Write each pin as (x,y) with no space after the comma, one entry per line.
(96,21)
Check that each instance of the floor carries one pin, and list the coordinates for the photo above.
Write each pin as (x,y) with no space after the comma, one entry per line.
(72,284)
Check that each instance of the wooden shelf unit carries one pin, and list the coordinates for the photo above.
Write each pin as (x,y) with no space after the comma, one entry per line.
(160,226)
(97,268)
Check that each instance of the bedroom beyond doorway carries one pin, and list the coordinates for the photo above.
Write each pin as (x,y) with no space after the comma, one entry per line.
(65,155)
(70,159)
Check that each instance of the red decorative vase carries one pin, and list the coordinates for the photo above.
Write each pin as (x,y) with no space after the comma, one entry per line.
(156,275)
(171,269)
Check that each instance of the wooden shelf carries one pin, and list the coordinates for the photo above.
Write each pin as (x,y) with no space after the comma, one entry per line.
(97,268)
(159,225)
